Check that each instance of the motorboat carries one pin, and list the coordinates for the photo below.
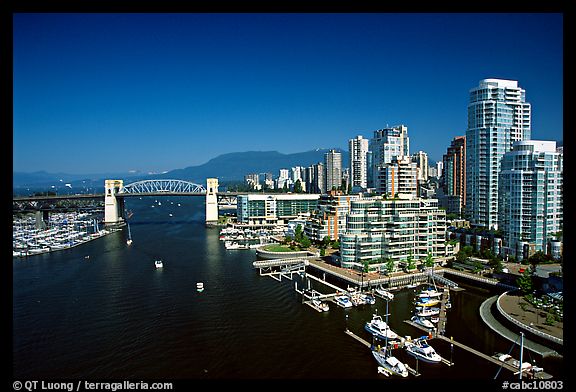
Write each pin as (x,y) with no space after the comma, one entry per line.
(320,305)
(379,328)
(507,358)
(368,299)
(158,264)
(384,293)
(390,364)
(344,301)
(420,349)
(434,319)
(231,245)
(426,302)
(430,293)
(427,312)
(199,286)
(422,321)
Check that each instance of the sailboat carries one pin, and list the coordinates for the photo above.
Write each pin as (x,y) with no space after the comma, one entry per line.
(389,364)
(129,240)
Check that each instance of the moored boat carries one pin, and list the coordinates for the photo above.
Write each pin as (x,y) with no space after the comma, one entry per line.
(379,328)
(420,349)
(384,293)
(344,301)
(390,363)
(422,321)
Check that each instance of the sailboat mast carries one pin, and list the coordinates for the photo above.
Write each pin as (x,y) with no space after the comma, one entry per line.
(521,354)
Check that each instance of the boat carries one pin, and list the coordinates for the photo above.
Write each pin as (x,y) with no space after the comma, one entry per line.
(434,319)
(320,305)
(231,245)
(384,293)
(426,312)
(199,286)
(368,299)
(343,301)
(158,264)
(420,349)
(379,328)
(412,286)
(390,364)
(422,321)
(430,293)
(129,240)
(427,302)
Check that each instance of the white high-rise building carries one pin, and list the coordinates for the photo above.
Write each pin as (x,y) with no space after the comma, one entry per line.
(386,144)
(358,149)
(530,190)
(498,116)
(421,160)
(333,167)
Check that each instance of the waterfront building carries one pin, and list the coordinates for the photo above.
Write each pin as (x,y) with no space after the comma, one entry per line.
(399,177)
(333,167)
(421,160)
(386,144)
(358,150)
(454,175)
(273,209)
(530,191)
(498,116)
(379,228)
(329,218)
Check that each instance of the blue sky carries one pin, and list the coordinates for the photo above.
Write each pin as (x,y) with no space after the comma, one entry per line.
(100,93)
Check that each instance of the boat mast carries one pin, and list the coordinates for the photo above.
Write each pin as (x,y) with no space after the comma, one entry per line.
(521,354)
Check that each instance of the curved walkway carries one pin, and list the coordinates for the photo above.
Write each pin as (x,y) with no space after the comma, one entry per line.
(499,328)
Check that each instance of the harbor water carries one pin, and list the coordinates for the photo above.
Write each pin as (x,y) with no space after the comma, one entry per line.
(113,315)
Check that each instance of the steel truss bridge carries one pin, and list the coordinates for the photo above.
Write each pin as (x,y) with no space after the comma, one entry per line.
(162,187)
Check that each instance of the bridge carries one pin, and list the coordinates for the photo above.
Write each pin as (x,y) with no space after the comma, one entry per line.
(115,192)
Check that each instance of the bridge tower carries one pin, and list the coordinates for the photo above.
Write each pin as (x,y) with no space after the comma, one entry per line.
(113,207)
(211,201)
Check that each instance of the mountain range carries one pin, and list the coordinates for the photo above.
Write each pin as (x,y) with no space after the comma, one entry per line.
(228,167)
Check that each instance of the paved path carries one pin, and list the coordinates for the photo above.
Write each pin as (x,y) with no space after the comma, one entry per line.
(497,327)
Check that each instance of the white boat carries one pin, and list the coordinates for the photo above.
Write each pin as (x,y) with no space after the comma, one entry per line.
(231,245)
(390,364)
(343,301)
(199,286)
(368,299)
(422,321)
(430,293)
(434,319)
(507,358)
(412,286)
(426,312)
(379,328)
(420,349)
(158,264)
(322,306)
(384,293)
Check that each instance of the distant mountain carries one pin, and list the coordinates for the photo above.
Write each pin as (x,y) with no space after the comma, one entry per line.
(234,166)
(227,168)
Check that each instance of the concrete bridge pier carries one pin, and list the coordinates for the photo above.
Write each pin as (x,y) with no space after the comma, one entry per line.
(211,201)
(113,206)
(41,219)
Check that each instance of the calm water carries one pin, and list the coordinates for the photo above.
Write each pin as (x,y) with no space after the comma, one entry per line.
(114,316)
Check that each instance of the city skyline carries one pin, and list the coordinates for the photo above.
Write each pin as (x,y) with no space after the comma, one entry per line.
(156,92)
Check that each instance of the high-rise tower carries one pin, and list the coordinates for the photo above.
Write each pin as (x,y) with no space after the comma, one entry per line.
(358,149)
(498,116)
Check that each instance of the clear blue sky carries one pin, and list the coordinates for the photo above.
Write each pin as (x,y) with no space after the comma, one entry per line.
(100,93)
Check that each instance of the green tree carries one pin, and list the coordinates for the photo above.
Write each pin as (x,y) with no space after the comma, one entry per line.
(366,267)
(305,242)
(389,264)
(285,187)
(298,186)
(525,283)
(298,233)
(429,260)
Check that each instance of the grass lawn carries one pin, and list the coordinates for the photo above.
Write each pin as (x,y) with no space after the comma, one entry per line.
(277,248)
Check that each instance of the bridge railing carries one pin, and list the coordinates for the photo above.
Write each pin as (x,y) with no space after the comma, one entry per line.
(156,186)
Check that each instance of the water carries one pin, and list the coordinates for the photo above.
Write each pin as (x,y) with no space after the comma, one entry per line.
(114,316)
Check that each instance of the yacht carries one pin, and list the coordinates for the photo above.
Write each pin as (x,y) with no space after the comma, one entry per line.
(434,319)
(427,302)
(199,287)
(379,328)
(390,364)
(422,321)
(343,301)
(158,264)
(231,245)
(384,293)
(420,349)
(320,305)
(430,293)
(426,312)
(368,299)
